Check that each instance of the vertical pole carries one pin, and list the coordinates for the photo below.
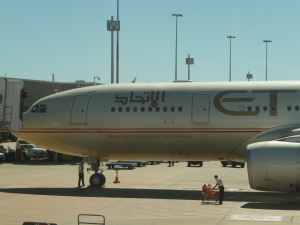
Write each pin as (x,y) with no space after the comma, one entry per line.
(117,67)
(176,53)
(189,69)
(112,53)
(266,61)
(230,62)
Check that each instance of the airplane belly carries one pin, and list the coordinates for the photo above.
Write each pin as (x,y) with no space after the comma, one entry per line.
(184,145)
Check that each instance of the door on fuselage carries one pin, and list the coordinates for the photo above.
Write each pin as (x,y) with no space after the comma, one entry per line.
(79,109)
(200,109)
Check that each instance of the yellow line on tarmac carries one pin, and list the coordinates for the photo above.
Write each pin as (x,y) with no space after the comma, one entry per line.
(89,190)
(21,186)
(180,193)
(12,186)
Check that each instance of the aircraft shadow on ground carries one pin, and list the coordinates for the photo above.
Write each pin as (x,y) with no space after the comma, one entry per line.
(272,206)
(244,196)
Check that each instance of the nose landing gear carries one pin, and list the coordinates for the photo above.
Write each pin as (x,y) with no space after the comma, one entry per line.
(97,179)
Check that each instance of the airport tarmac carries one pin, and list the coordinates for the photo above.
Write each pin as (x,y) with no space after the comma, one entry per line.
(154,194)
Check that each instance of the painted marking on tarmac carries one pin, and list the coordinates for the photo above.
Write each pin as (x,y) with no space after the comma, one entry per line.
(180,193)
(238,189)
(257,218)
(14,186)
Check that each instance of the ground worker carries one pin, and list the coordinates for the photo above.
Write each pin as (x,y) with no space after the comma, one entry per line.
(81,174)
(221,189)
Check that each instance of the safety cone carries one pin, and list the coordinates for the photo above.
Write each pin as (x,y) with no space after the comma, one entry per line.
(117,178)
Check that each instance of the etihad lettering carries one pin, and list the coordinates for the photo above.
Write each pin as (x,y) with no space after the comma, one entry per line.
(272,101)
(153,97)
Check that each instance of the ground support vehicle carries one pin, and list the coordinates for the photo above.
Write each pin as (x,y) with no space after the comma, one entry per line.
(154,162)
(139,163)
(208,194)
(200,163)
(232,163)
(113,165)
(2,157)
(2,149)
(34,151)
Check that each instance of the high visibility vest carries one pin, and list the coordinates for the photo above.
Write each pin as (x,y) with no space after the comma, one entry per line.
(80,169)
(220,183)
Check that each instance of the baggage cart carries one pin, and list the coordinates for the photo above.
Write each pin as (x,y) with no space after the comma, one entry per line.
(208,195)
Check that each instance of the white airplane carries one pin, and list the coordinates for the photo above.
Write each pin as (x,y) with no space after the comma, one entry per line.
(253,122)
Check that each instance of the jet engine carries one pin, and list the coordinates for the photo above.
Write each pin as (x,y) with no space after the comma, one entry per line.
(274,166)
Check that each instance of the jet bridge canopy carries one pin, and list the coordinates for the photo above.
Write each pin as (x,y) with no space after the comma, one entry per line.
(11,95)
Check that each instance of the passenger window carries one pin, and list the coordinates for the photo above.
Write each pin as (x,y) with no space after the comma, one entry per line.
(134,109)
(157,109)
(149,109)
(297,107)
(288,108)
(127,109)
(143,109)
(120,109)
(273,108)
(249,108)
(43,109)
(112,109)
(165,109)
(1,98)
(265,108)
(256,108)
(180,108)
(35,109)
(172,109)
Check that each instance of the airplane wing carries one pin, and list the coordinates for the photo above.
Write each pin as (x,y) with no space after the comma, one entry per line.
(272,134)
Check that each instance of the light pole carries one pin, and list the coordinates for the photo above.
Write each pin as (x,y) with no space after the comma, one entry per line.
(177,15)
(95,80)
(117,56)
(230,37)
(267,57)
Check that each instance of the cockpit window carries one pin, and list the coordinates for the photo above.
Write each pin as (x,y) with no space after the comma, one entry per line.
(35,109)
(39,109)
(43,109)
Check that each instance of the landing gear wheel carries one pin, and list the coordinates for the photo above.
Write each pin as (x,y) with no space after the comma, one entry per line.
(97,180)
(242,165)
(233,164)
(201,164)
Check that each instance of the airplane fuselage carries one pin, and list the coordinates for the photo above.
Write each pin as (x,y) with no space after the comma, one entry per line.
(177,121)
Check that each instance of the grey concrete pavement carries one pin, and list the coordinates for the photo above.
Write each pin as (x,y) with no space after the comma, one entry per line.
(154,194)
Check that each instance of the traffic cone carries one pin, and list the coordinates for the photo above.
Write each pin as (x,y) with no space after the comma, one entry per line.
(117,178)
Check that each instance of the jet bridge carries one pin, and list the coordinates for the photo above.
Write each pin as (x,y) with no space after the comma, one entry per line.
(11,104)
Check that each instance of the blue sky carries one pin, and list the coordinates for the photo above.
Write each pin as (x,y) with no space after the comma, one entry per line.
(69,38)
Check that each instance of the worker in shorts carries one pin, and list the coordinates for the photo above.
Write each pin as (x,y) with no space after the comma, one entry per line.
(221,189)
(81,174)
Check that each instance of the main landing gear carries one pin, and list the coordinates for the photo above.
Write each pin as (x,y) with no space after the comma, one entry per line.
(97,179)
